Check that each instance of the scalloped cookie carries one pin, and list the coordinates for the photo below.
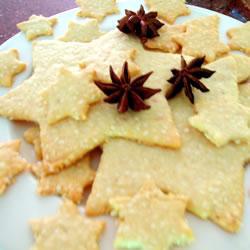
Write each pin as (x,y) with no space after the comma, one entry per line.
(37,26)
(10,65)
(239,38)
(11,163)
(217,193)
(202,38)
(68,229)
(151,220)
(168,10)
(97,8)
(82,32)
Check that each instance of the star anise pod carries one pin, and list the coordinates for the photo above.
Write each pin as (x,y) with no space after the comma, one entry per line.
(142,24)
(126,92)
(187,77)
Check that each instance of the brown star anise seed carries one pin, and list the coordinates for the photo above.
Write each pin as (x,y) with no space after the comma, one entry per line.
(127,93)
(187,77)
(141,24)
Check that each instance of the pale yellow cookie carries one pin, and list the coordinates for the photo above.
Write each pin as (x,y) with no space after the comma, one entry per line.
(239,38)
(32,136)
(68,229)
(220,116)
(243,67)
(71,95)
(10,65)
(202,38)
(11,164)
(37,26)
(82,32)
(151,220)
(165,42)
(69,183)
(97,8)
(69,140)
(168,10)
(211,178)
(245,94)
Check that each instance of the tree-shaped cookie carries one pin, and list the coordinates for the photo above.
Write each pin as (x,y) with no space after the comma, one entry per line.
(68,229)
(69,140)
(212,178)
(10,65)
(151,220)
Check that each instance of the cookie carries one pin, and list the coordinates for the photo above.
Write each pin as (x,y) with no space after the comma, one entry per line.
(202,38)
(164,226)
(97,8)
(82,32)
(67,141)
(243,67)
(69,183)
(32,136)
(211,178)
(239,38)
(68,229)
(37,26)
(220,116)
(10,65)
(164,42)
(245,94)
(168,10)
(71,95)
(11,163)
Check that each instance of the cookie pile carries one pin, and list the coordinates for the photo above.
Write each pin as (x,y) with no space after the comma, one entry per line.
(168,104)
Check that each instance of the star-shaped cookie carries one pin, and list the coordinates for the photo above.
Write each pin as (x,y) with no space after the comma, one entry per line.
(202,38)
(220,116)
(82,32)
(71,95)
(32,136)
(211,178)
(68,229)
(245,94)
(239,38)
(37,26)
(97,8)
(10,65)
(168,10)
(243,67)
(165,42)
(67,141)
(11,164)
(69,183)
(151,220)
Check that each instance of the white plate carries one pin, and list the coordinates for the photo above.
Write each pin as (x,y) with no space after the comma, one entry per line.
(20,203)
